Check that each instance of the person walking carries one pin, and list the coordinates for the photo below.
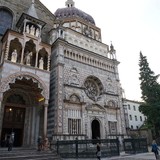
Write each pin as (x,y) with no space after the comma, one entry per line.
(98,153)
(155,149)
(10,143)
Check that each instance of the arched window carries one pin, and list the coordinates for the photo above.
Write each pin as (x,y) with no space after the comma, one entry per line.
(6,20)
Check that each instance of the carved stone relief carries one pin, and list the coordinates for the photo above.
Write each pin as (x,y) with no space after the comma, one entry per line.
(4,86)
(73,80)
(74,98)
(94,107)
(72,95)
(110,88)
(111,103)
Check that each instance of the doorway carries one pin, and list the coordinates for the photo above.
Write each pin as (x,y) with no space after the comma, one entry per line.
(13,123)
(95,129)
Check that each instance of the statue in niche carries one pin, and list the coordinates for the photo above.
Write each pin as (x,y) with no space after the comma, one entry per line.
(32,30)
(27,28)
(28,58)
(37,32)
(41,63)
(14,56)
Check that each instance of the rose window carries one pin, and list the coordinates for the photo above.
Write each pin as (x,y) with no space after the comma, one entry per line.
(93,88)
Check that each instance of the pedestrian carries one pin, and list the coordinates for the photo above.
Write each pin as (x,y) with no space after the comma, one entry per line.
(98,152)
(10,143)
(40,143)
(155,149)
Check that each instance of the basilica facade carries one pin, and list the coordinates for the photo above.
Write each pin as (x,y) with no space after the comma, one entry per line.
(57,78)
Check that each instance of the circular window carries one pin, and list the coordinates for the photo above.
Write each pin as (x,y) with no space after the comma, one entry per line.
(92,88)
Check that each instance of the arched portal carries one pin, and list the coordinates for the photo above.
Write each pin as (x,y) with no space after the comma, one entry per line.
(95,129)
(24,98)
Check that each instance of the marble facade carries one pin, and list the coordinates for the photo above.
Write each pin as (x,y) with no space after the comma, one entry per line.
(74,92)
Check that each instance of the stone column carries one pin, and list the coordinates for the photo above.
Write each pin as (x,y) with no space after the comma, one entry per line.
(22,55)
(36,60)
(83,122)
(7,50)
(48,63)
(45,120)
(46,143)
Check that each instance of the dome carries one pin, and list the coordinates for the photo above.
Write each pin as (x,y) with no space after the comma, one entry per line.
(71,11)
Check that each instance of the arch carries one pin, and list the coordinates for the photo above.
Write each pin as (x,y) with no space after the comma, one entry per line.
(95,129)
(15,45)
(13,98)
(30,50)
(20,92)
(44,55)
(6,19)
(5,84)
(74,98)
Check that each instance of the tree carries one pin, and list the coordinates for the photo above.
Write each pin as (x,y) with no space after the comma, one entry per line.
(150,94)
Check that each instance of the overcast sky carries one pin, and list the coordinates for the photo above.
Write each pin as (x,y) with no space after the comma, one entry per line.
(132,26)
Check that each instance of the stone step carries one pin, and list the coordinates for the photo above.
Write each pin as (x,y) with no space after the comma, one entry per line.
(27,154)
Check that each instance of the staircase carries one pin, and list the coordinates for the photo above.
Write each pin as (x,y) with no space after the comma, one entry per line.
(27,154)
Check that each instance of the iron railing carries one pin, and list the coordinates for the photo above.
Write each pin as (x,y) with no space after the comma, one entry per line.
(109,147)
(87,148)
(133,146)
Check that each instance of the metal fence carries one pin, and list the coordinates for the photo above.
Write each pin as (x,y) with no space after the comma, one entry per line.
(87,148)
(109,147)
(133,146)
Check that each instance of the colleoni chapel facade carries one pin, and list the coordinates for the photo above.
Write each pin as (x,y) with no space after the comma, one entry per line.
(57,78)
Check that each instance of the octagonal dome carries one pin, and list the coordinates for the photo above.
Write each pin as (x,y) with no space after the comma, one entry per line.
(71,11)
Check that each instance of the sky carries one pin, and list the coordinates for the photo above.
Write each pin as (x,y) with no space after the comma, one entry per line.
(132,26)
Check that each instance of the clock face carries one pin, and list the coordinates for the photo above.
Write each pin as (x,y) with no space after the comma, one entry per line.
(91,89)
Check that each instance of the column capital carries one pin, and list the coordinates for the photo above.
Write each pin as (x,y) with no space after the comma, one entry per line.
(46,102)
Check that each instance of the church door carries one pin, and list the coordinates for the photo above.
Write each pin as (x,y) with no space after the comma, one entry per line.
(13,124)
(95,129)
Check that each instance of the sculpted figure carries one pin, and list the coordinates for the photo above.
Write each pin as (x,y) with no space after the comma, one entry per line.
(41,63)
(14,56)
(37,32)
(27,28)
(32,30)
(28,58)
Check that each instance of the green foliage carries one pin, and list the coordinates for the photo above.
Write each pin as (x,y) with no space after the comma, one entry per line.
(150,94)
